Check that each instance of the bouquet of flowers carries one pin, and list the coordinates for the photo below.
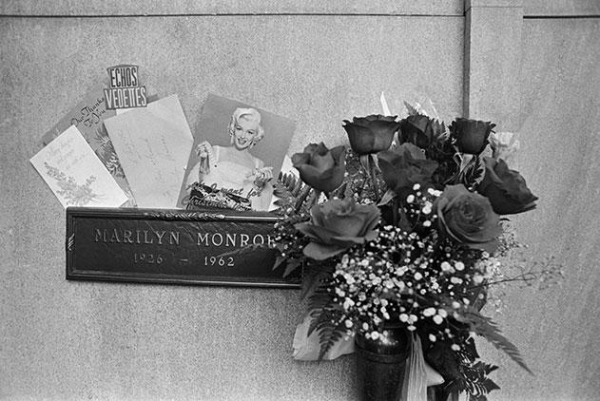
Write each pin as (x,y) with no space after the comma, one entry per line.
(404,229)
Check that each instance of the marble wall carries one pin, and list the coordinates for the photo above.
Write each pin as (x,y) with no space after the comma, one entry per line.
(317,64)
(557,328)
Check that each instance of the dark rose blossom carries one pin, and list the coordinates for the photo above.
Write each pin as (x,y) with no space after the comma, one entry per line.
(420,130)
(468,218)
(471,135)
(371,134)
(505,188)
(336,225)
(321,168)
(405,166)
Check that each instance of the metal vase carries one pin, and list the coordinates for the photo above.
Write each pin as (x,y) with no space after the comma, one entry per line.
(381,364)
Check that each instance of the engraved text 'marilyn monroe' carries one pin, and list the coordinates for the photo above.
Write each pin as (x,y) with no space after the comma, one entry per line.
(123,236)
(163,237)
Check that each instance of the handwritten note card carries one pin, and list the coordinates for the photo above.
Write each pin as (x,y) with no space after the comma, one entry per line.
(153,145)
(75,174)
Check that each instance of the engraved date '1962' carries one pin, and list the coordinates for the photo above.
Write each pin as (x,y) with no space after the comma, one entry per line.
(157,259)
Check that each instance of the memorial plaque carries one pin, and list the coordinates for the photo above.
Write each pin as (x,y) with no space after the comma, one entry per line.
(207,247)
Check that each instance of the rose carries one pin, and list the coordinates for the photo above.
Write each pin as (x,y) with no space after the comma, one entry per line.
(336,225)
(371,134)
(405,166)
(420,130)
(506,189)
(471,135)
(468,218)
(321,168)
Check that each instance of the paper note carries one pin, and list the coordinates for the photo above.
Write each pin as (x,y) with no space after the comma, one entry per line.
(75,174)
(153,145)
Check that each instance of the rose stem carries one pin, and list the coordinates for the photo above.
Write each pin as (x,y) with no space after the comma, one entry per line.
(395,207)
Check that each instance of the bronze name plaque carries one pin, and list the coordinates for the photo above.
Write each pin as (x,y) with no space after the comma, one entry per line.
(213,247)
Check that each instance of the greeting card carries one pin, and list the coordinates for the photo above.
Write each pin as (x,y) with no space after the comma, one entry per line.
(88,116)
(75,174)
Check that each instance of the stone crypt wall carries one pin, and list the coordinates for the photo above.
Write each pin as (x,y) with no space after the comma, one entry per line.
(530,66)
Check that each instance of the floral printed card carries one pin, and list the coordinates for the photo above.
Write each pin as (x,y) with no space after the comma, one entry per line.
(88,116)
(75,174)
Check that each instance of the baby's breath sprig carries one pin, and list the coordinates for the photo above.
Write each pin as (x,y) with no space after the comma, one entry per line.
(418,206)
(398,280)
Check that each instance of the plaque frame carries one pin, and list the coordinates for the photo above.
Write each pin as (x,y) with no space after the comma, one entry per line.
(158,246)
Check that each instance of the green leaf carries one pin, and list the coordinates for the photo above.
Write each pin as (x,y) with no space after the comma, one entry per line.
(279,260)
(292,265)
(474,172)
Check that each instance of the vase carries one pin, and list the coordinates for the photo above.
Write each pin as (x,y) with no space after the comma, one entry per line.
(381,364)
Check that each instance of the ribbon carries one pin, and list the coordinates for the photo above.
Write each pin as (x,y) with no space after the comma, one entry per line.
(418,375)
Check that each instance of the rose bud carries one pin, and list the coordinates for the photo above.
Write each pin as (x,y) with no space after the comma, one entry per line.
(506,189)
(371,134)
(321,168)
(337,225)
(420,130)
(468,218)
(471,135)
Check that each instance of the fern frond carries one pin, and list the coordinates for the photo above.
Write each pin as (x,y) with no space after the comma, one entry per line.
(329,324)
(314,277)
(471,377)
(288,189)
(329,335)
(475,381)
(319,303)
(288,185)
(485,327)
(298,187)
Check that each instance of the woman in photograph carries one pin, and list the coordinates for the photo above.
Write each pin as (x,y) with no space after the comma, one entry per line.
(233,169)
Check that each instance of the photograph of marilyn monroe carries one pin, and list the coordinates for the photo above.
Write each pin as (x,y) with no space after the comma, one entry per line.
(227,166)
